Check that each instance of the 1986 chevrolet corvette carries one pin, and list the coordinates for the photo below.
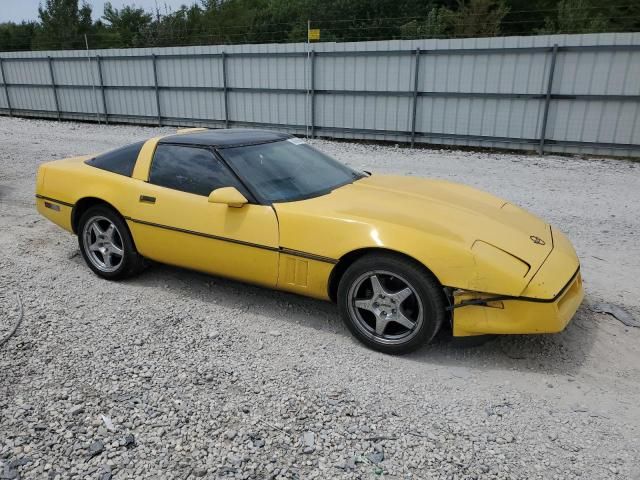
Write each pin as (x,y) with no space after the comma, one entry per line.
(400,255)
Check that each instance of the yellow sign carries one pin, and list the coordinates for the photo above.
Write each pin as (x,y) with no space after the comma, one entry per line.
(314,34)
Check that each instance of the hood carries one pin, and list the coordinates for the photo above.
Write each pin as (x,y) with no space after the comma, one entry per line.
(458,210)
(493,230)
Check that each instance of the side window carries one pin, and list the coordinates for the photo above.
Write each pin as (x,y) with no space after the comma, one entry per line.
(121,160)
(190,169)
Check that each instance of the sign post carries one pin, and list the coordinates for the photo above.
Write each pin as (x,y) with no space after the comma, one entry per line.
(312,34)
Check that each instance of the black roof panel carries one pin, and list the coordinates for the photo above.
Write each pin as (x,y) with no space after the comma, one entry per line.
(222,138)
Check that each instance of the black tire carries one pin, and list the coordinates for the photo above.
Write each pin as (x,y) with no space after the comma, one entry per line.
(391,270)
(129,263)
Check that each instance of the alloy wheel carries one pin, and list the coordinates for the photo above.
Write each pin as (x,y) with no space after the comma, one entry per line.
(385,307)
(103,244)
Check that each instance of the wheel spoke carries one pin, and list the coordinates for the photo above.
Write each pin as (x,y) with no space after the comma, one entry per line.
(115,249)
(96,229)
(381,325)
(109,232)
(364,304)
(376,285)
(402,295)
(404,321)
(107,259)
(94,247)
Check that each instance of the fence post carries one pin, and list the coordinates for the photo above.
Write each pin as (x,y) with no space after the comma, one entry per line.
(547,99)
(104,98)
(312,91)
(416,74)
(225,90)
(155,83)
(6,87)
(53,85)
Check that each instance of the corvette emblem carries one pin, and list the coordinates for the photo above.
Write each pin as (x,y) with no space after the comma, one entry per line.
(537,240)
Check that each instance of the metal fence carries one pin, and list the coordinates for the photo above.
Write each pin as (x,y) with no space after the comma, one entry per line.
(560,93)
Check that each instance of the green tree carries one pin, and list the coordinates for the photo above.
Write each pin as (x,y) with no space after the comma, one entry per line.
(624,17)
(436,25)
(127,27)
(63,24)
(576,16)
(16,36)
(473,18)
(525,16)
(478,18)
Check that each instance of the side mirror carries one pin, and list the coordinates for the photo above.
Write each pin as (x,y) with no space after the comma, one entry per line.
(229,196)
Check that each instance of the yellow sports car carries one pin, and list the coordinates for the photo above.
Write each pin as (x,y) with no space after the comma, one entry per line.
(400,255)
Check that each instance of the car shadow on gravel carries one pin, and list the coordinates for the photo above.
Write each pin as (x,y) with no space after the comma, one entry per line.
(561,353)
(229,293)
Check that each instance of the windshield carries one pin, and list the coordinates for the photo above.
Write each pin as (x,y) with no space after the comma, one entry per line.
(288,170)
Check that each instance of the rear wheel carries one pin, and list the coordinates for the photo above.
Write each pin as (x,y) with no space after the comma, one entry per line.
(106,244)
(391,303)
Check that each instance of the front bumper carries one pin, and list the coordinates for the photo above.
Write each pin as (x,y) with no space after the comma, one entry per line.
(520,315)
(548,303)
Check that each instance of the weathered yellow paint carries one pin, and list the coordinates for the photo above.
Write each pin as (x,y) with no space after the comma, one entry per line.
(229,196)
(61,217)
(518,316)
(470,240)
(199,220)
(182,131)
(304,276)
(432,221)
(296,271)
(143,164)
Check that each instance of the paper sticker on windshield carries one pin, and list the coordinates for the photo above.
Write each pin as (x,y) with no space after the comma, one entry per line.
(296,141)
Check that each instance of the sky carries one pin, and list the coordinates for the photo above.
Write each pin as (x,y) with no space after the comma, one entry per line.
(18,10)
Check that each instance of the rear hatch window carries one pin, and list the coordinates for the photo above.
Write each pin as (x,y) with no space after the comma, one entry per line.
(120,161)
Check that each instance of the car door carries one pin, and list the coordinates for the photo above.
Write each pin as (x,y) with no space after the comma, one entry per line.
(173,221)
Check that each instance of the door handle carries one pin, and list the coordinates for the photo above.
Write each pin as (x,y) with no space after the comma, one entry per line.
(147,199)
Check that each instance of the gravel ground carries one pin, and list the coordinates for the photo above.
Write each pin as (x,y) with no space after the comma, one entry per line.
(174,374)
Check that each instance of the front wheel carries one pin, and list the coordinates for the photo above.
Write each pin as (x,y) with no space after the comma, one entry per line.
(391,303)
(106,244)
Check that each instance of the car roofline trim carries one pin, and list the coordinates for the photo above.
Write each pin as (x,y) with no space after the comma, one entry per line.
(287,251)
(167,141)
(252,144)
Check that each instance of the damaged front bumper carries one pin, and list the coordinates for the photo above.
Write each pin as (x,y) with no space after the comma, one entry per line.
(546,306)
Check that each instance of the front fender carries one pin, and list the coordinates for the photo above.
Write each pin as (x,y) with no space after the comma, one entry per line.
(447,255)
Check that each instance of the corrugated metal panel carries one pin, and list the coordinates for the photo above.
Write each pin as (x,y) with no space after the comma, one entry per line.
(3,91)
(27,72)
(131,102)
(189,72)
(127,72)
(271,108)
(78,100)
(67,72)
(266,72)
(467,95)
(32,98)
(189,104)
